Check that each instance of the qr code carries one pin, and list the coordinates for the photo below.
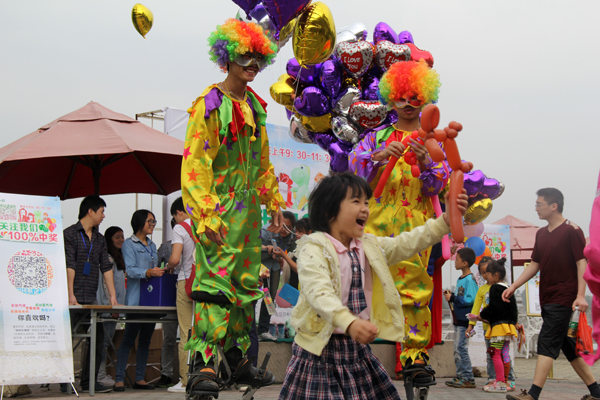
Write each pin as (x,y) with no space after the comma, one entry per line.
(30,272)
(8,212)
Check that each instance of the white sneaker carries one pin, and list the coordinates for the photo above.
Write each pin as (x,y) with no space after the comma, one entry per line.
(107,381)
(266,337)
(179,388)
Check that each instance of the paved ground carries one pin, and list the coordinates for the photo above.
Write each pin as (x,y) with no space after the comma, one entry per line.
(565,385)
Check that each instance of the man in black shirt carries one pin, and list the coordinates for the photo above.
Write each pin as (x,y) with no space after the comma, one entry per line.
(86,256)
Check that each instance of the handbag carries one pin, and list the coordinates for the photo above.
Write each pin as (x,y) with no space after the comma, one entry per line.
(585,344)
(189,281)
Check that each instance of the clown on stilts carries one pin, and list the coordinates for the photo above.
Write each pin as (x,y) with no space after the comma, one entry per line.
(405,201)
(226,175)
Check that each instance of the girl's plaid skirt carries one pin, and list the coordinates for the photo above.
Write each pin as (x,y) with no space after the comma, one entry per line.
(346,370)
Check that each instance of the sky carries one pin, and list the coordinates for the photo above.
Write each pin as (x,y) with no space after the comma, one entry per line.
(521,76)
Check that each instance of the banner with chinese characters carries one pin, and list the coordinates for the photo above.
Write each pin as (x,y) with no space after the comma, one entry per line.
(298,166)
(35,339)
(497,239)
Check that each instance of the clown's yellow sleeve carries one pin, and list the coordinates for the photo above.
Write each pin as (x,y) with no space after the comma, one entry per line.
(267,185)
(197,177)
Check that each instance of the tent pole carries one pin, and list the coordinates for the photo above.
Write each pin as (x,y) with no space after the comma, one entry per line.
(66,192)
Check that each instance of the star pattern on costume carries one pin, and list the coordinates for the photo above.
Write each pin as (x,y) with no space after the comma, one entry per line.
(211,319)
(226,318)
(382,227)
(211,274)
(255,225)
(189,209)
(206,145)
(187,152)
(220,179)
(229,144)
(426,324)
(413,329)
(402,272)
(378,200)
(239,206)
(246,239)
(254,154)
(241,158)
(222,272)
(419,199)
(247,263)
(192,175)
(207,199)
(263,190)
(208,352)
(417,307)
(197,134)
(422,286)
(393,191)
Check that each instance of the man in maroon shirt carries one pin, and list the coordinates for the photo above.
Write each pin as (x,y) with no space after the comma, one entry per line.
(558,255)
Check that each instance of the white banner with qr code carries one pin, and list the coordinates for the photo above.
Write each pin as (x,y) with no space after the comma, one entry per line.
(35,340)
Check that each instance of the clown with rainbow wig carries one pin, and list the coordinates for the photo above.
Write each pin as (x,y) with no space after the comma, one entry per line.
(225,176)
(405,201)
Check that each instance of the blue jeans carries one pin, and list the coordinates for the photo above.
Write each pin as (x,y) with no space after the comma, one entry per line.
(132,330)
(461,354)
(490,366)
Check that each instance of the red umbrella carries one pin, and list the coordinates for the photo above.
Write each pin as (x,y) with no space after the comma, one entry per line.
(92,150)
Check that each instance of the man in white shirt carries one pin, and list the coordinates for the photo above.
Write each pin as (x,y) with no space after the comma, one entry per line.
(181,261)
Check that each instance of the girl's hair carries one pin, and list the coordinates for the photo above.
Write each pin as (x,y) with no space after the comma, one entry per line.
(138,219)
(497,266)
(236,37)
(407,79)
(484,260)
(303,224)
(324,201)
(116,254)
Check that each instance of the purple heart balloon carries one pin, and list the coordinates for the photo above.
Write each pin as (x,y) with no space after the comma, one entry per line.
(282,12)
(312,102)
(369,85)
(405,37)
(473,182)
(339,150)
(330,78)
(383,31)
(324,140)
(258,12)
(490,188)
(308,76)
(246,5)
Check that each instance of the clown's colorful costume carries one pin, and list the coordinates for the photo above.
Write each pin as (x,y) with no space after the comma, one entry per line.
(226,175)
(403,205)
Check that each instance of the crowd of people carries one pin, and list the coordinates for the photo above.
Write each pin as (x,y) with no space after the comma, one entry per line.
(346,258)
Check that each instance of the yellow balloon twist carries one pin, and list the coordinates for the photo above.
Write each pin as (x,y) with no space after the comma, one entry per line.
(142,19)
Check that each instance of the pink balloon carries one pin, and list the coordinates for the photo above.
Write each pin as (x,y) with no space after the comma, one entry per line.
(474,230)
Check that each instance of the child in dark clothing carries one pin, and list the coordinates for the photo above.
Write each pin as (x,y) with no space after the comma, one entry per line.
(502,318)
(463,299)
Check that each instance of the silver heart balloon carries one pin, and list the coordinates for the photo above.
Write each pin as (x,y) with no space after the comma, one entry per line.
(345,99)
(353,33)
(368,113)
(345,130)
(298,132)
(389,53)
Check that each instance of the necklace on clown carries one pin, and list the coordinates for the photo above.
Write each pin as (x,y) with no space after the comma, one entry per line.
(225,88)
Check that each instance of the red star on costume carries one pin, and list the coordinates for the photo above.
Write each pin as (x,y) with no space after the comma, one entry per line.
(211,274)
(222,272)
(231,189)
(402,272)
(393,191)
(406,181)
(216,132)
(238,303)
(198,317)
(241,158)
(263,190)
(249,319)
(419,199)
(252,294)
(405,203)
(247,263)
(426,324)
(192,175)
(208,352)
(232,257)
(202,215)
(192,113)
(364,163)
(405,320)
(408,295)
(246,239)
(187,152)
(207,200)
(197,134)
(425,212)
(220,179)
(226,316)
(254,224)
(253,200)
(408,214)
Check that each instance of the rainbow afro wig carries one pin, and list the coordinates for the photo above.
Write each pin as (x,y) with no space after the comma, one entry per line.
(235,38)
(406,79)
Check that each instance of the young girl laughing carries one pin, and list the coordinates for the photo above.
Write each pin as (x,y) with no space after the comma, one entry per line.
(337,314)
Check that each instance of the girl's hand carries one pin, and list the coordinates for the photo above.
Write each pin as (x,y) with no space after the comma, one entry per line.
(393,149)
(469,329)
(278,252)
(362,331)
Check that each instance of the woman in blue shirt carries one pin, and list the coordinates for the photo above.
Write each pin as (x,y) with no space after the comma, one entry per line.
(141,262)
